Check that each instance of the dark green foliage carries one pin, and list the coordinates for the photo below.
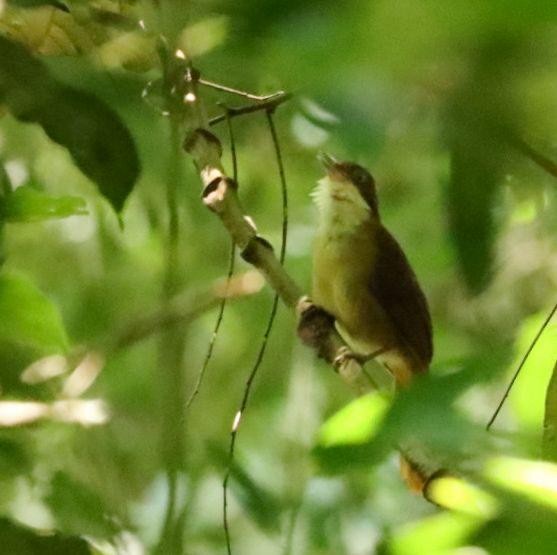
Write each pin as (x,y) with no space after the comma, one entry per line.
(37,3)
(78,507)
(19,540)
(99,143)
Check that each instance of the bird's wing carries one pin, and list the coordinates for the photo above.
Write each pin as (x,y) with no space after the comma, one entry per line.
(396,288)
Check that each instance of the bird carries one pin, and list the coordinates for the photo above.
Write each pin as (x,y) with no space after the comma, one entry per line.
(363,279)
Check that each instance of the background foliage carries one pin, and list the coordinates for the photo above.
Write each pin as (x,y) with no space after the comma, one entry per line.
(107,286)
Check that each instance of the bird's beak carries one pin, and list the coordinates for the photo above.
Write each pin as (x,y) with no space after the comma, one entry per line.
(327,161)
(333,167)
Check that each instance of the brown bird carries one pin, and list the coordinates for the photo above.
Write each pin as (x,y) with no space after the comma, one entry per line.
(363,279)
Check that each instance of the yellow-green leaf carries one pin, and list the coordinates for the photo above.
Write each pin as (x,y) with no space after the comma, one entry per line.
(28,317)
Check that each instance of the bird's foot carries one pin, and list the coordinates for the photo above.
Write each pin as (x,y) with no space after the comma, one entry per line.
(314,324)
(345,356)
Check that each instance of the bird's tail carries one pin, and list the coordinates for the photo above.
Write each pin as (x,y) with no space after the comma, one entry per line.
(416,478)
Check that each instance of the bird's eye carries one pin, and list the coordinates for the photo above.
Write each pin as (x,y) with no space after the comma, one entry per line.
(360,176)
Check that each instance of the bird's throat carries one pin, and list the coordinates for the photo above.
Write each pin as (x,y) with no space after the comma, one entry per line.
(341,208)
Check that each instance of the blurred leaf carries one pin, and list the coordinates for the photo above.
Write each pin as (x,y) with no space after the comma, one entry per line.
(46,31)
(523,528)
(535,480)
(357,422)
(14,458)
(35,3)
(456,494)
(26,204)
(413,422)
(550,419)
(529,391)
(133,51)
(99,143)
(203,36)
(481,122)
(439,533)
(78,509)
(475,177)
(19,540)
(258,503)
(28,317)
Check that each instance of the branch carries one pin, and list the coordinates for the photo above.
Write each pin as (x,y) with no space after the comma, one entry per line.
(181,309)
(267,105)
(220,195)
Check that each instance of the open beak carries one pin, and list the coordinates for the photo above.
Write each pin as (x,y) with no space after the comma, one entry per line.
(333,167)
(328,162)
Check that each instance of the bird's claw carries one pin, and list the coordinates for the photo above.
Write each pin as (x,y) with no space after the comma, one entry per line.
(345,356)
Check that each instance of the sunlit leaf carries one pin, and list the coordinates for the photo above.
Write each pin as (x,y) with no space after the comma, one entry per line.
(98,141)
(29,317)
(535,480)
(550,419)
(456,494)
(203,36)
(414,423)
(528,394)
(357,422)
(439,533)
(27,204)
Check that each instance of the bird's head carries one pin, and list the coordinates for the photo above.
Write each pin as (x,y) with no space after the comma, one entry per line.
(347,189)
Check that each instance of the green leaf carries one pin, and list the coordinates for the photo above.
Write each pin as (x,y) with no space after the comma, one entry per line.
(535,480)
(529,394)
(355,423)
(78,509)
(440,533)
(474,180)
(96,138)
(20,540)
(29,317)
(482,123)
(26,204)
(459,495)
(412,422)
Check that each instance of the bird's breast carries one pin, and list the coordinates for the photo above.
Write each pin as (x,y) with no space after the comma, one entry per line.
(343,267)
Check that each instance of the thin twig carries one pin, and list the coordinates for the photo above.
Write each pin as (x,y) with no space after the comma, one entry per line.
(538,158)
(238,418)
(244,94)
(522,362)
(218,322)
(231,262)
(283,186)
(263,348)
(270,104)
